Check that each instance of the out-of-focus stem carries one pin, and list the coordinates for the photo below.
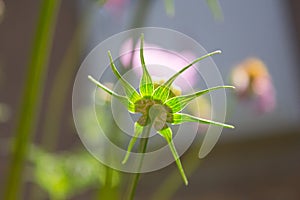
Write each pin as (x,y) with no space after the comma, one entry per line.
(62,82)
(142,149)
(59,90)
(216,9)
(108,190)
(31,100)
(141,13)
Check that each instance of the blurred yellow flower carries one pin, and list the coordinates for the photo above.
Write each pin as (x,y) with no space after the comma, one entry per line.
(252,80)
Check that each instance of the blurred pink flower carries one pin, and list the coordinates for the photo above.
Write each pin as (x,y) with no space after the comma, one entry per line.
(115,6)
(155,55)
(252,80)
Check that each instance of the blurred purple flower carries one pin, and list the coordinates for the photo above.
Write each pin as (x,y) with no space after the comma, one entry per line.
(155,55)
(252,80)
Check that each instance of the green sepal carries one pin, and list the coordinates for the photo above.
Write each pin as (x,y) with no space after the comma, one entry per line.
(162,92)
(179,118)
(178,103)
(167,134)
(124,100)
(172,79)
(138,130)
(146,84)
(129,90)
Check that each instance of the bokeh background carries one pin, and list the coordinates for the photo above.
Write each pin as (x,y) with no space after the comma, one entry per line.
(259,159)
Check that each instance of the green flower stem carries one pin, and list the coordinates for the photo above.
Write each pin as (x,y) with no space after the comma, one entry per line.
(142,149)
(31,100)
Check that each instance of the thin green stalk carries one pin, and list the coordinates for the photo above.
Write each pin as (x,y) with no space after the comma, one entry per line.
(108,191)
(142,149)
(59,90)
(108,178)
(31,100)
(62,83)
(57,95)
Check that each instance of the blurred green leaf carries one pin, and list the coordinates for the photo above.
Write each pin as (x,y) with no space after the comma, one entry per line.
(69,173)
(215,8)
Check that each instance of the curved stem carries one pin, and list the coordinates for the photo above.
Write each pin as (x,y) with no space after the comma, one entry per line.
(142,149)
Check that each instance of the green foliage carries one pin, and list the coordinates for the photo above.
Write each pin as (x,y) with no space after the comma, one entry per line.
(67,174)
